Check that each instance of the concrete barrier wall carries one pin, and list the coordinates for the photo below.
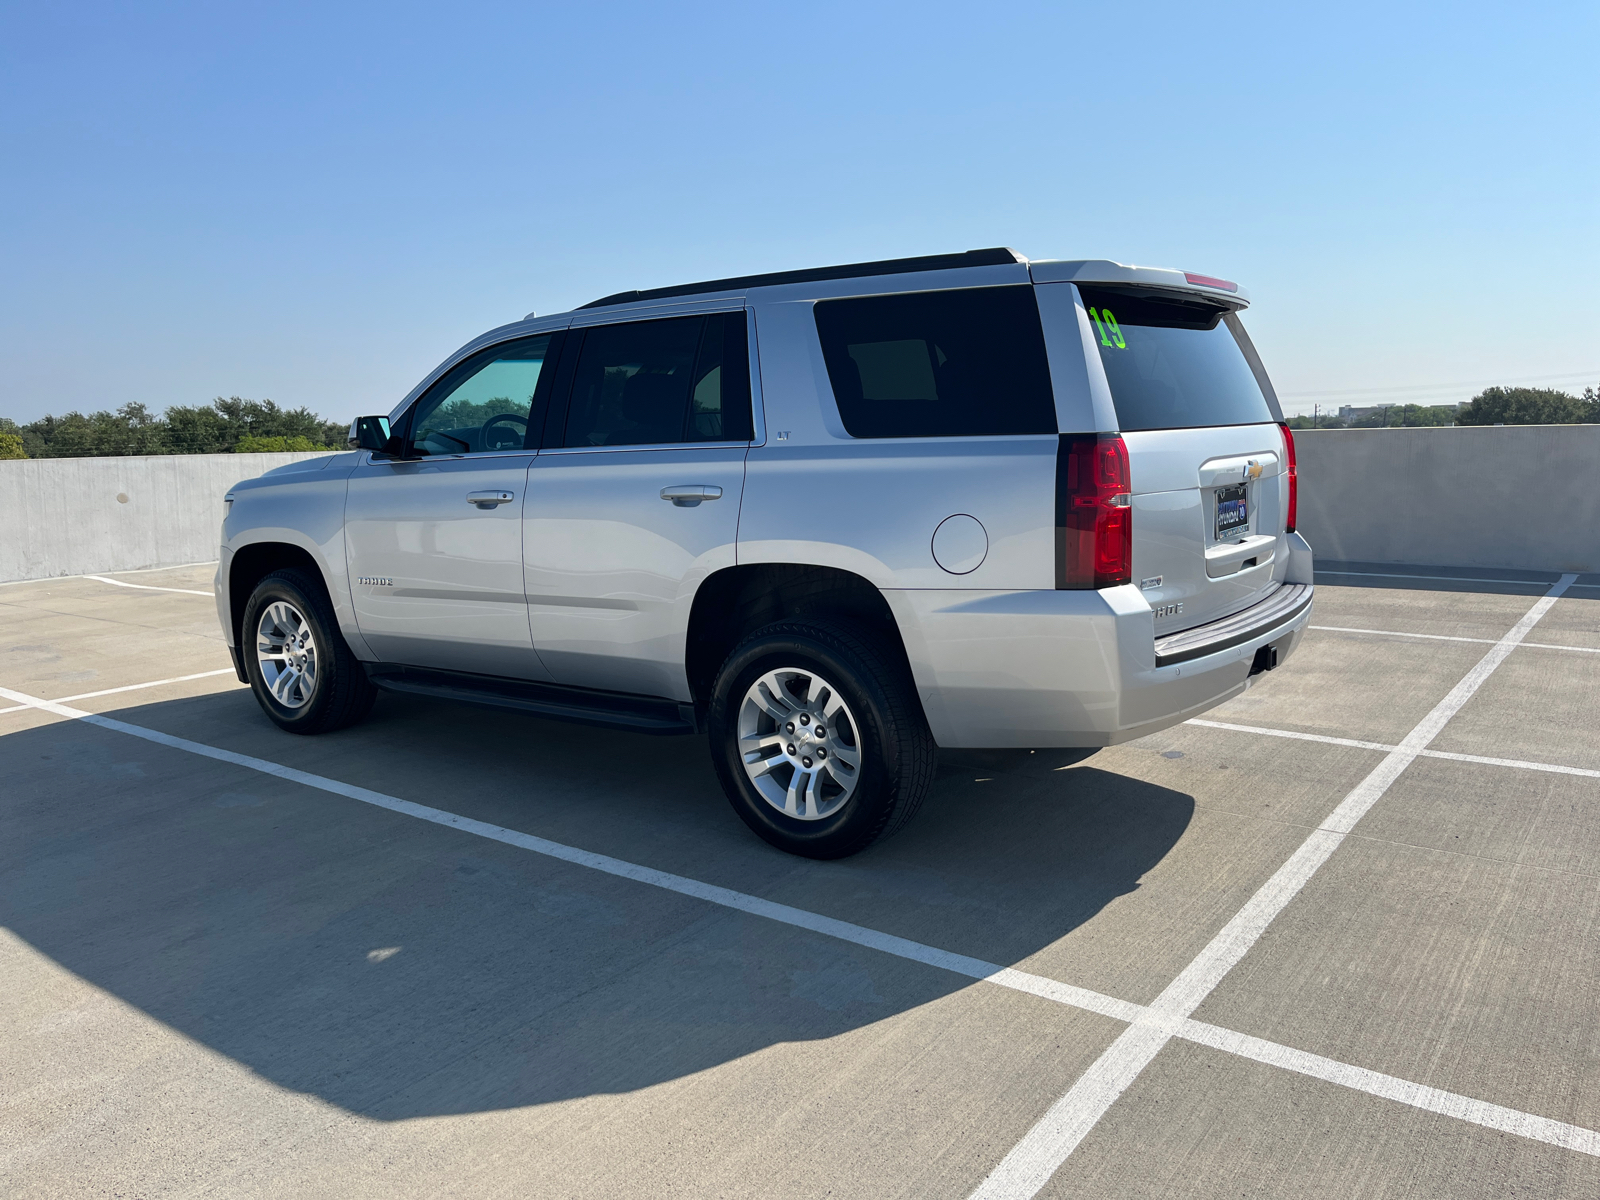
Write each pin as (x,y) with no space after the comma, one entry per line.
(1517,496)
(76,516)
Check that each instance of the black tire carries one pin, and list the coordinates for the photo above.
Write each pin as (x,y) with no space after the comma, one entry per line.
(898,756)
(341,694)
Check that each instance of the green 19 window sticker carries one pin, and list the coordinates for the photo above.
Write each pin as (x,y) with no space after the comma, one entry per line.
(1104,321)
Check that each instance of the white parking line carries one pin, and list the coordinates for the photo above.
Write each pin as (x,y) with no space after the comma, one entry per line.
(147,587)
(1444,637)
(1465,1108)
(1374,1083)
(210,562)
(1455,578)
(132,687)
(1290,733)
(1032,1161)
(1518,763)
(1432,637)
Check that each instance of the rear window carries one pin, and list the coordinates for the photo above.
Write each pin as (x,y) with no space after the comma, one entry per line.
(967,363)
(1172,363)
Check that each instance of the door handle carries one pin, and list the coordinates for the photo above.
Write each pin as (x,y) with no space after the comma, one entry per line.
(489,500)
(688,495)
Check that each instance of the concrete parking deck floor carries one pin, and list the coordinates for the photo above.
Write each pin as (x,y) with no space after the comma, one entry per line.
(459,952)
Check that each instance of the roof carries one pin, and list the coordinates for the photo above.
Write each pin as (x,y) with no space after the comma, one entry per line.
(890,266)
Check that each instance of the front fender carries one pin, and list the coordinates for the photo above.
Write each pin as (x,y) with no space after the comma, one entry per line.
(304,510)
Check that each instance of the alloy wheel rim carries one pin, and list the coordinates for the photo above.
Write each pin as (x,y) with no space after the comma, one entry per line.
(286,651)
(798,743)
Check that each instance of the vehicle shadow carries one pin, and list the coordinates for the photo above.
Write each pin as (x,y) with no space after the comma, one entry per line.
(398,969)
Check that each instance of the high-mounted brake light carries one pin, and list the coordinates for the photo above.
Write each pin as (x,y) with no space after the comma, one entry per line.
(1210,281)
(1294,478)
(1094,512)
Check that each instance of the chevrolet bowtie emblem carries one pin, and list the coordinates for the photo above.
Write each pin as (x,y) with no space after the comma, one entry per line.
(1252,469)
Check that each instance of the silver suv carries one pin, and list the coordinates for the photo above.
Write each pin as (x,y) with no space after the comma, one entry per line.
(835,519)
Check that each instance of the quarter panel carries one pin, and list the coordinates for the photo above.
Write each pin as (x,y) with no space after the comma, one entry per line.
(1020,669)
(815,495)
(872,506)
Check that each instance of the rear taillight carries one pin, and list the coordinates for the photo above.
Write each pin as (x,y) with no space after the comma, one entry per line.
(1294,478)
(1094,514)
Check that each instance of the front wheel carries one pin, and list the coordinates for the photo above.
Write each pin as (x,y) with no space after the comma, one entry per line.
(818,738)
(302,673)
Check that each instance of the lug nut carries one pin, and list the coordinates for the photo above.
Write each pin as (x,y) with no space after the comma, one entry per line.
(791,747)
(805,718)
(820,732)
(790,726)
(821,753)
(805,762)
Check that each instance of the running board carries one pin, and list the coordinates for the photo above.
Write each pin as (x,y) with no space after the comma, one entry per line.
(616,710)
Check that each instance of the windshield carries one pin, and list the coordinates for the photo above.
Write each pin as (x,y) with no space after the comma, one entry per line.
(1172,361)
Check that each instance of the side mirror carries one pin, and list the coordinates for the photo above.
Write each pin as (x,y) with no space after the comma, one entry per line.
(371,433)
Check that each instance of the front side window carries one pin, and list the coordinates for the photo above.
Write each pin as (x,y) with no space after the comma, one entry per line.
(483,404)
(682,379)
(965,363)
(1172,360)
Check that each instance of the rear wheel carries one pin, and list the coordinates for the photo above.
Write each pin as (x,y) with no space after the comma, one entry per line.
(818,738)
(302,673)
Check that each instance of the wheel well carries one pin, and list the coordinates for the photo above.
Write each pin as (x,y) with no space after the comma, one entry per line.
(738,600)
(253,563)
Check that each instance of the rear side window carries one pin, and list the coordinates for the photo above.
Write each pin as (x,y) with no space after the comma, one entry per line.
(1172,363)
(966,363)
(684,379)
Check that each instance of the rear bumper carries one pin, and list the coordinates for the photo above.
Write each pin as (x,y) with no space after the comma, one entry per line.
(1278,609)
(1060,668)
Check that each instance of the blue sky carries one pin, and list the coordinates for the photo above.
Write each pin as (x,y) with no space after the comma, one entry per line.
(315,203)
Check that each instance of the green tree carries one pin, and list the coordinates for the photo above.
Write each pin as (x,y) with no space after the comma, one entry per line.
(1529,406)
(11,445)
(130,430)
(1406,415)
(251,444)
(217,427)
(214,428)
(200,430)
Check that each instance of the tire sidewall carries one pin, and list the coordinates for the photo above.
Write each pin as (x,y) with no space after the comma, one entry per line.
(283,586)
(865,814)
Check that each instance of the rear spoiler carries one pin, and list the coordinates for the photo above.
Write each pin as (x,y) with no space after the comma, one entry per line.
(1102,270)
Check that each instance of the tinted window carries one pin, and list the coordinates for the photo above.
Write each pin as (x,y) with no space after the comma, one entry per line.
(719,401)
(685,379)
(1172,363)
(483,404)
(962,363)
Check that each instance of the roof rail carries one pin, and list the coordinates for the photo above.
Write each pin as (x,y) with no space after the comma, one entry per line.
(890,266)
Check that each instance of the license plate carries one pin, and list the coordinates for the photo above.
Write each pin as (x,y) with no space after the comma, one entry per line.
(1233,512)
